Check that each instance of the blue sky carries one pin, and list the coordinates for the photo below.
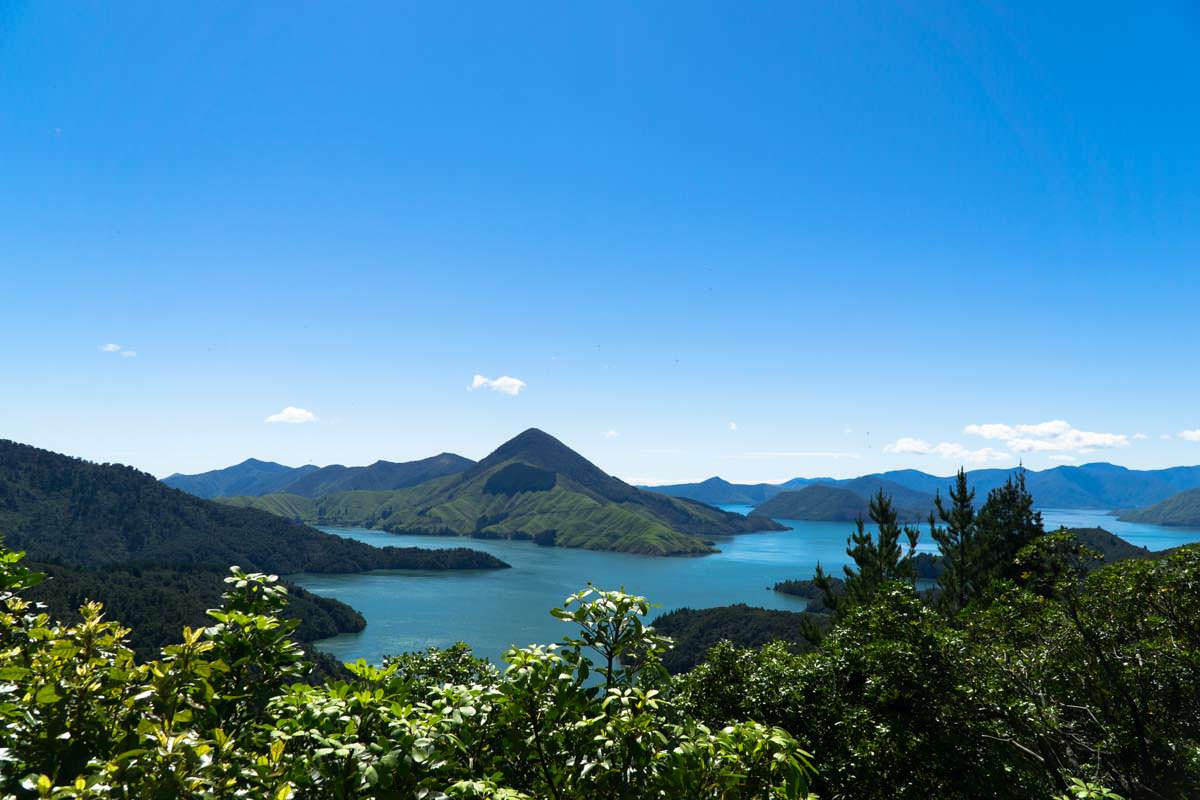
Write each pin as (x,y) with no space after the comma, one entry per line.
(755,240)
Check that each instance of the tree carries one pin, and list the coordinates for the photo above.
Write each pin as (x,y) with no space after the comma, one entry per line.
(879,559)
(1006,524)
(957,542)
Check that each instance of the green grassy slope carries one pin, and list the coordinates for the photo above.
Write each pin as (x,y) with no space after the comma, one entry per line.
(281,504)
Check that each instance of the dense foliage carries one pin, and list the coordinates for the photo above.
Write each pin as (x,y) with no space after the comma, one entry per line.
(155,602)
(695,631)
(1030,671)
(220,716)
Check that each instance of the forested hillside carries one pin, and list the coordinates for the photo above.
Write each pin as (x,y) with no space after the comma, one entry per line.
(66,510)
(156,556)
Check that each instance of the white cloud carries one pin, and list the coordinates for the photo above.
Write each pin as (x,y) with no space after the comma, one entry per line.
(293,415)
(1191,436)
(908,444)
(129,354)
(504,384)
(733,426)
(1048,437)
(948,450)
(1166,437)
(109,348)
(1140,436)
(847,430)
(611,434)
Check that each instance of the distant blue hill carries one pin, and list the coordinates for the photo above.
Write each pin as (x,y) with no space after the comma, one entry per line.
(255,478)
(1098,485)
(249,477)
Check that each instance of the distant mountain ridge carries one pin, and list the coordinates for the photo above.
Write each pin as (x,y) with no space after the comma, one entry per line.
(718,491)
(531,487)
(1099,485)
(253,477)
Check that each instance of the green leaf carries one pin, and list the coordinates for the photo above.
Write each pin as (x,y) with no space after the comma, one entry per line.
(47,694)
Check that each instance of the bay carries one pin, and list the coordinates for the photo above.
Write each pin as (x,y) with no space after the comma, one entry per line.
(494,609)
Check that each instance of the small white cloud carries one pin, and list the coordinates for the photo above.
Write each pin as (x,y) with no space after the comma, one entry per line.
(1048,437)
(1166,437)
(504,384)
(129,354)
(1191,436)
(908,444)
(733,426)
(109,348)
(293,415)
(1140,436)
(847,430)
(952,451)
(611,434)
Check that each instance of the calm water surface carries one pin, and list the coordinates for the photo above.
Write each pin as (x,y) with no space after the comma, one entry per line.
(493,609)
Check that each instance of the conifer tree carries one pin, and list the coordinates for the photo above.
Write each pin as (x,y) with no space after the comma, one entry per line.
(878,559)
(957,541)
(1007,522)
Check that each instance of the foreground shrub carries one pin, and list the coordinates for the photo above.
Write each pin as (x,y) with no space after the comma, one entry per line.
(222,714)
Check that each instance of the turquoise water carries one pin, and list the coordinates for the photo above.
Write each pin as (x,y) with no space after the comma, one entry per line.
(493,609)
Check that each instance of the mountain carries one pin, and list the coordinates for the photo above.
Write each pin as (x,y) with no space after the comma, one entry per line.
(380,475)
(249,477)
(815,502)
(255,478)
(914,505)
(1098,485)
(847,502)
(111,533)
(1182,510)
(531,487)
